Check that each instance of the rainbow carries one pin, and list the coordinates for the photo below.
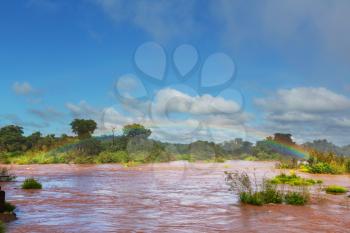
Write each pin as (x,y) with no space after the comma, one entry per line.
(287,149)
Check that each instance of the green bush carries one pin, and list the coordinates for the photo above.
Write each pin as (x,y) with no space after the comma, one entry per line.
(325,168)
(296,198)
(259,193)
(9,207)
(31,183)
(2,227)
(251,198)
(88,147)
(336,189)
(112,157)
(347,166)
(293,180)
(187,157)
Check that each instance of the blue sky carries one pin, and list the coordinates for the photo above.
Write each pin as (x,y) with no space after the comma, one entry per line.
(95,59)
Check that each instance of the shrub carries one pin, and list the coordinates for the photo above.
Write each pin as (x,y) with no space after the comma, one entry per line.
(2,227)
(324,168)
(251,198)
(296,198)
(9,207)
(265,192)
(112,157)
(293,180)
(31,183)
(347,166)
(88,147)
(335,189)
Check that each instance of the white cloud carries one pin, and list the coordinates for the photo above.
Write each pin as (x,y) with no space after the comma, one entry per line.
(171,100)
(106,118)
(23,88)
(307,113)
(196,117)
(306,100)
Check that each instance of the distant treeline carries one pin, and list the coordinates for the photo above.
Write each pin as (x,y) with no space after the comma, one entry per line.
(134,144)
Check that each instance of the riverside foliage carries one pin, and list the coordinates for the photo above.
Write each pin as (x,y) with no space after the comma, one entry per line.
(135,146)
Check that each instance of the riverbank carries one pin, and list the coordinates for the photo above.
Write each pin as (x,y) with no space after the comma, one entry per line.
(182,196)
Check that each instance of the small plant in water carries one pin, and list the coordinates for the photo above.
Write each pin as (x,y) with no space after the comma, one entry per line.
(9,207)
(293,180)
(259,193)
(31,183)
(296,198)
(335,189)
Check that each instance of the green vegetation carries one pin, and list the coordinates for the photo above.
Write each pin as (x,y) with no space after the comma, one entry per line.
(2,227)
(9,207)
(250,191)
(293,180)
(296,198)
(83,128)
(31,183)
(135,146)
(335,189)
(327,163)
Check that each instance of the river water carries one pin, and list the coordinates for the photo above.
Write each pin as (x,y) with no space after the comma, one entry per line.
(169,197)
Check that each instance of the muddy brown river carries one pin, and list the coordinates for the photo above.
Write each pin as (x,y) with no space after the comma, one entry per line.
(169,197)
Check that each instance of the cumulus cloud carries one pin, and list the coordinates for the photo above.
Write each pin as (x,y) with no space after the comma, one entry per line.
(307,112)
(196,117)
(171,100)
(106,118)
(306,100)
(23,88)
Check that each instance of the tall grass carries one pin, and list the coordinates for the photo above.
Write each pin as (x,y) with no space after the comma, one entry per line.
(259,192)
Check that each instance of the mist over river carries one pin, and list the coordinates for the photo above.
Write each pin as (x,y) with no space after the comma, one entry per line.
(163,197)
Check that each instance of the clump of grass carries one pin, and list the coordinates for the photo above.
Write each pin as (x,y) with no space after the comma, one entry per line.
(31,183)
(296,198)
(336,189)
(265,192)
(293,180)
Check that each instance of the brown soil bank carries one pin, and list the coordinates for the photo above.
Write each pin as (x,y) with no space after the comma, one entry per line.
(169,197)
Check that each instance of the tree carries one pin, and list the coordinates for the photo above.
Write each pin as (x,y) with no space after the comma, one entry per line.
(136,130)
(284,138)
(34,139)
(83,128)
(12,139)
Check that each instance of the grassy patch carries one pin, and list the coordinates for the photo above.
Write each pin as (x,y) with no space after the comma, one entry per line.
(336,189)
(296,198)
(31,183)
(326,168)
(259,193)
(293,180)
